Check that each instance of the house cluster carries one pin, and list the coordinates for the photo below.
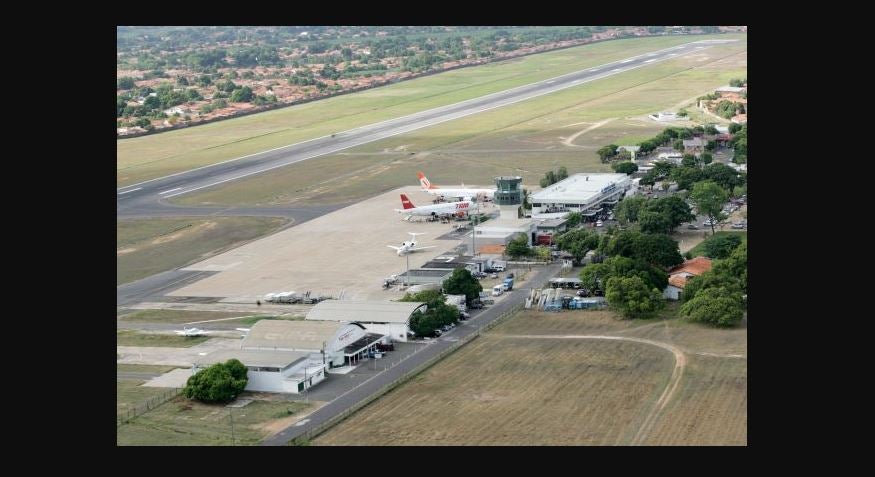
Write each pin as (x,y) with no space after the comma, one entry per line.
(735,94)
(678,276)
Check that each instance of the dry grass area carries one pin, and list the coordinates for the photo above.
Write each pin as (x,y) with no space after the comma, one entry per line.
(508,389)
(526,392)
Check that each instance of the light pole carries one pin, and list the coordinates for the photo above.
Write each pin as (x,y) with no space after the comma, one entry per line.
(474,236)
(407,275)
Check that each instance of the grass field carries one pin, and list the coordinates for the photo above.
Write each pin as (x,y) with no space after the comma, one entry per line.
(174,316)
(129,395)
(527,138)
(190,423)
(700,248)
(508,389)
(143,368)
(149,246)
(134,338)
(154,156)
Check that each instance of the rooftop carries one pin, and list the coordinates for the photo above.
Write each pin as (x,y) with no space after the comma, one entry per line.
(427,273)
(695,266)
(578,188)
(364,311)
(298,335)
(255,358)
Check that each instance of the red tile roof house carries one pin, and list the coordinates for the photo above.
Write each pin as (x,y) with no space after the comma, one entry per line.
(678,276)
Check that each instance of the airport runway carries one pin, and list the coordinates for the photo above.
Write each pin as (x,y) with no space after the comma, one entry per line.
(144,198)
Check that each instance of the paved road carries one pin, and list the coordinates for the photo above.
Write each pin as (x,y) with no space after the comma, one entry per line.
(367,388)
(144,195)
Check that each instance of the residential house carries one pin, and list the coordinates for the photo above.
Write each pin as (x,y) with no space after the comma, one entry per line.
(695,145)
(678,276)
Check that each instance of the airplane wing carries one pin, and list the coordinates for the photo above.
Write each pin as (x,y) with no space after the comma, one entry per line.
(396,248)
(245,330)
(180,333)
(422,248)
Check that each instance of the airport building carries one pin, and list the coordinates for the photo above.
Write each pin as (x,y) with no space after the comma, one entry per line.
(333,343)
(379,318)
(584,193)
(271,371)
(509,225)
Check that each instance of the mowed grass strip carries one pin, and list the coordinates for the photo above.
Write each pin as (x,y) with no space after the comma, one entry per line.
(512,391)
(135,338)
(181,422)
(131,395)
(175,316)
(149,246)
(524,138)
(148,157)
(143,368)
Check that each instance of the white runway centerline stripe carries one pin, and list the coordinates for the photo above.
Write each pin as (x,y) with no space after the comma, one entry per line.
(129,191)
(650,61)
(168,191)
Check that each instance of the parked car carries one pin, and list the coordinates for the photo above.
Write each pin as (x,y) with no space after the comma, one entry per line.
(693,227)
(494,275)
(738,226)
(463,315)
(476,305)
(599,223)
(509,275)
(583,292)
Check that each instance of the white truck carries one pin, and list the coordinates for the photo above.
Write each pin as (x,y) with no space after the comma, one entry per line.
(459,301)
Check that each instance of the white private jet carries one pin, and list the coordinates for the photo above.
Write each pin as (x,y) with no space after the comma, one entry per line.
(191,332)
(460,208)
(462,193)
(409,247)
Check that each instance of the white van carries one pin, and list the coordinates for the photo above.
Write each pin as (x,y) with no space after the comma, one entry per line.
(498,290)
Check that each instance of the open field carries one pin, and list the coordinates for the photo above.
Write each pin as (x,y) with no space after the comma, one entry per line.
(590,379)
(148,157)
(174,316)
(527,138)
(134,338)
(142,368)
(148,246)
(130,394)
(700,248)
(341,254)
(184,422)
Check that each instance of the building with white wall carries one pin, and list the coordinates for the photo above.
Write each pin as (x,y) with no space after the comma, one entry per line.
(271,371)
(584,193)
(384,318)
(337,343)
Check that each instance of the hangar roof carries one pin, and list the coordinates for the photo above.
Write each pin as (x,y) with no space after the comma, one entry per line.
(256,358)
(297,335)
(364,311)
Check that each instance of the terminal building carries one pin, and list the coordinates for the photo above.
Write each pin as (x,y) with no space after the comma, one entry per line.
(584,193)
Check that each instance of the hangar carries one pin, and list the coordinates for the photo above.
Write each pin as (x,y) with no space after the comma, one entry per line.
(333,343)
(389,318)
(271,371)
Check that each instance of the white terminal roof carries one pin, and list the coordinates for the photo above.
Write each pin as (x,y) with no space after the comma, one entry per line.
(577,188)
(364,311)
(256,358)
(297,335)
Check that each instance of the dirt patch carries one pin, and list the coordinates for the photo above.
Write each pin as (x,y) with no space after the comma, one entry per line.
(278,425)
(570,140)
(188,230)
(125,251)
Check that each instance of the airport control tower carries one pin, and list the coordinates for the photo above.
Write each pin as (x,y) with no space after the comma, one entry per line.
(509,196)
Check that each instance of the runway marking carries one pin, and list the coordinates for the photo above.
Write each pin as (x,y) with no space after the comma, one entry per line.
(128,191)
(617,69)
(650,61)
(171,190)
(595,69)
(626,61)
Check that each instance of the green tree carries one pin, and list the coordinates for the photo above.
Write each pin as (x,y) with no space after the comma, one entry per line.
(220,382)
(518,247)
(595,276)
(734,128)
(632,298)
(659,250)
(152,102)
(734,266)
(715,306)
(689,160)
(685,177)
(674,209)
(548,179)
(606,152)
(461,282)
(578,242)
(678,144)
(242,95)
(725,176)
(721,246)
(710,129)
(125,82)
(711,279)
(709,199)
(561,174)
(736,82)
(628,209)
(573,219)
(706,158)
(624,167)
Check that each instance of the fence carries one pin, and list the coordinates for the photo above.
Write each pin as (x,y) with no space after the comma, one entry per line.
(147,406)
(306,436)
